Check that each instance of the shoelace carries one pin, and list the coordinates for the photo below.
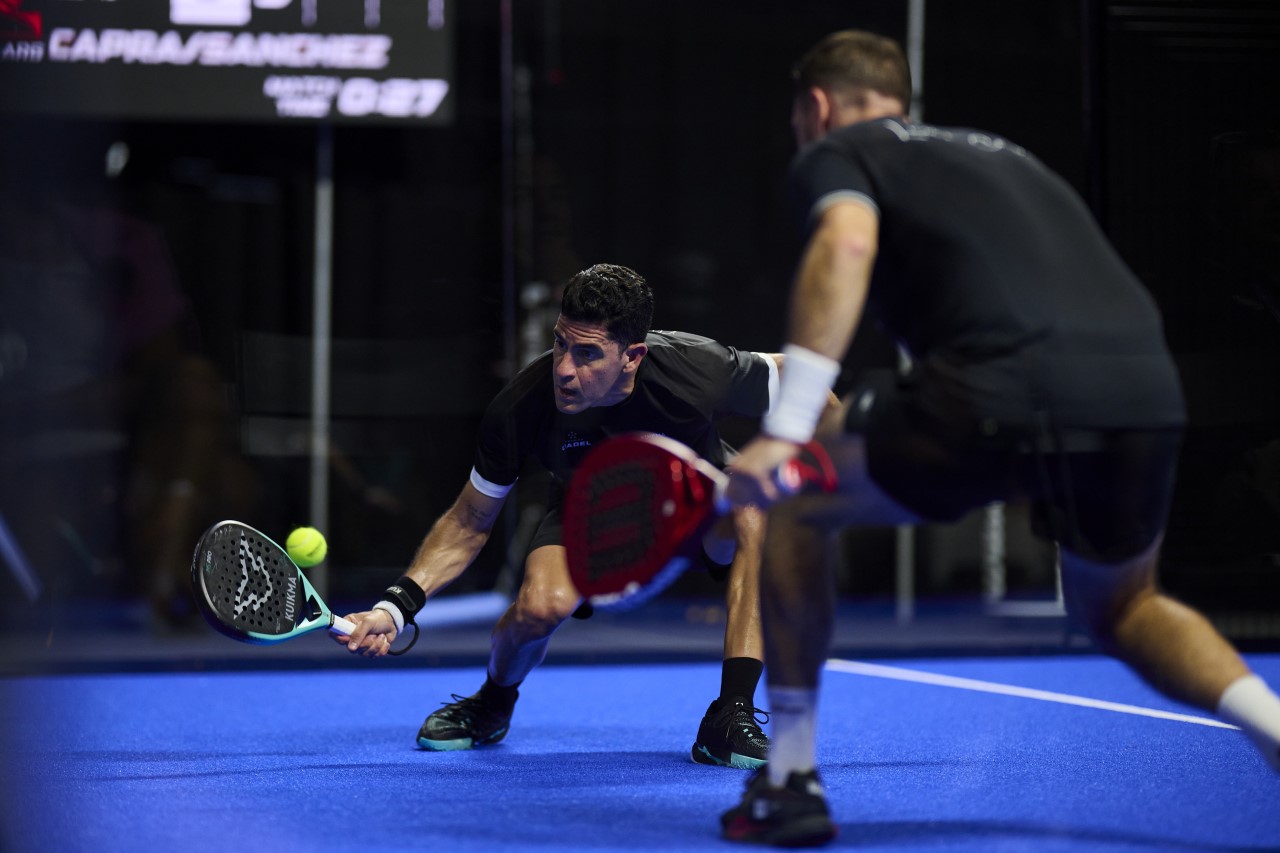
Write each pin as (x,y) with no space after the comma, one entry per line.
(466,710)
(747,720)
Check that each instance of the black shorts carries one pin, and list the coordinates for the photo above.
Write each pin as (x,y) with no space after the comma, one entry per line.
(551,529)
(1103,495)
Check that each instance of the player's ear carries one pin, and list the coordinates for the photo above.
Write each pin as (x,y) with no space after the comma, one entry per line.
(633,355)
(818,105)
(811,113)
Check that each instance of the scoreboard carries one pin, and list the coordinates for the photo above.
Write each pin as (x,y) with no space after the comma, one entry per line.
(341,61)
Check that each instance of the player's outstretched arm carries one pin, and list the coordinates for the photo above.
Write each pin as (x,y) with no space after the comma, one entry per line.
(454,540)
(448,549)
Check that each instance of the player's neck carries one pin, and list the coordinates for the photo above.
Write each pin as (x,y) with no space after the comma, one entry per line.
(621,391)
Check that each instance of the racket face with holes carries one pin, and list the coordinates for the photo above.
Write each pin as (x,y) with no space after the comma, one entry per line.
(633,515)
(249,590)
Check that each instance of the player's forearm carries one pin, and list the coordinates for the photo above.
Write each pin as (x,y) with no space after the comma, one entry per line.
(830,290)
(826,305)
(452,545)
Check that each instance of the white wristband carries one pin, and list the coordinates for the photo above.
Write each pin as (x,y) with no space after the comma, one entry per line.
(807,378)
(393,611)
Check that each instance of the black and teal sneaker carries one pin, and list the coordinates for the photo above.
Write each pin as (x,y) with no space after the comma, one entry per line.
(469,721)
(794,815)
(730,735)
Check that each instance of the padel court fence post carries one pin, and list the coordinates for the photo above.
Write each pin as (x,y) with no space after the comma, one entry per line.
(321,330)
(904,573)
(904,534)
(995,586)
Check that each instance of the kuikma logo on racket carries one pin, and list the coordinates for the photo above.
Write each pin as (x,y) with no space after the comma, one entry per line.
(254,600)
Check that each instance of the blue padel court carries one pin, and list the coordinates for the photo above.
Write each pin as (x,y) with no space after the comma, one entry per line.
(1039,753)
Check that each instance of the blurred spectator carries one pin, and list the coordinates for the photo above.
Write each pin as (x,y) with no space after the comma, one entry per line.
(115,450)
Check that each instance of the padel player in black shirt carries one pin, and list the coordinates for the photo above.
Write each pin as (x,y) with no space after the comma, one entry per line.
(606,374)
(1039,373)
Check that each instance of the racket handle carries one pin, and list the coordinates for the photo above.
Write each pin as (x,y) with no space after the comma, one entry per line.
(812,468)
(787,478)
(341,626)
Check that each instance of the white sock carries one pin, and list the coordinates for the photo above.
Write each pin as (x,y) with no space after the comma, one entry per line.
(793,720)
(1251,705)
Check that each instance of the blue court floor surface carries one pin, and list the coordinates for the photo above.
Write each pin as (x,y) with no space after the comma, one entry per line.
(1036,753)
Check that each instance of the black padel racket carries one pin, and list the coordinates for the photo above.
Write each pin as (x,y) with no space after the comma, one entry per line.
(248,589)
(637,507)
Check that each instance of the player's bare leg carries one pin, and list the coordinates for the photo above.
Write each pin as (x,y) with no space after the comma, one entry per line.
(1169,644)
(730,733)
(785,804)
(743,635)
(546,598)
(798,589)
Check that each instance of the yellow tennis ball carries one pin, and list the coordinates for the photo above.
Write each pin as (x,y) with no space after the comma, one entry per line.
(306,546)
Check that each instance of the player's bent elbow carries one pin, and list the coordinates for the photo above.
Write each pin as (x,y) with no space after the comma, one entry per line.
(855,249)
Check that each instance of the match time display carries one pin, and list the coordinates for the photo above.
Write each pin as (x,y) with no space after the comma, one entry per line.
(246,60)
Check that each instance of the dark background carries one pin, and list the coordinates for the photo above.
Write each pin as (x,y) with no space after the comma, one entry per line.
(652,134)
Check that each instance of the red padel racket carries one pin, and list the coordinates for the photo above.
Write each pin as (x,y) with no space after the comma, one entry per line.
(637,507)
(248,589)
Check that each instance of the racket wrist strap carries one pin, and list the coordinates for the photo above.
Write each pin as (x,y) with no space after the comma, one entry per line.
(807,378)
(402,601)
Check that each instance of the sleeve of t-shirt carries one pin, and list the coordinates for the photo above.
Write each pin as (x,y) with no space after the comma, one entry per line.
(823,175)
(496,467)
(751,383)
(502,440)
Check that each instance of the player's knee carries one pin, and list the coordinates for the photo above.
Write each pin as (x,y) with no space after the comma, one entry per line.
(545,607)
(1100,627)
(1104,618)
(1105,599)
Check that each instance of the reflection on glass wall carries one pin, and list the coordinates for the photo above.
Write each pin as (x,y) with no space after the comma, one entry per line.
(157,279)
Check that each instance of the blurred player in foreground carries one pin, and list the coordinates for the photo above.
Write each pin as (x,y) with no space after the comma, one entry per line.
(1040,374)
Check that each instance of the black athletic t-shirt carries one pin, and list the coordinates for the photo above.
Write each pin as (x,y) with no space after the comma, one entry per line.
(683,386)
(993,274)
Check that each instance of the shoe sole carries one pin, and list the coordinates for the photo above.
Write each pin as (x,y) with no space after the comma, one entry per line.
(701,755)
(813,831)
(460,743)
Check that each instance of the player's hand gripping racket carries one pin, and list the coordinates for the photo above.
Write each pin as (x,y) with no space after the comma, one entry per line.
(248,589)
(637,507)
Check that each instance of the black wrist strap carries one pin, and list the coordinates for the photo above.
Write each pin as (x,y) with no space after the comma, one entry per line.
(409,597)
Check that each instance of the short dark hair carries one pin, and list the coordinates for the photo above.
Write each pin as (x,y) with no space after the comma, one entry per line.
(614,296)
(854,60)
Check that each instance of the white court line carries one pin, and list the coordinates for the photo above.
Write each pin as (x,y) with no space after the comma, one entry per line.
(899,674)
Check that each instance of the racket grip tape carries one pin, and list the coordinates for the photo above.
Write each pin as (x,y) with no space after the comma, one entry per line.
(338,625)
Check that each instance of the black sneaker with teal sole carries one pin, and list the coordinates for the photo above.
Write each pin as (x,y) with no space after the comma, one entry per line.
(467,722)
(730,735)
(794,815)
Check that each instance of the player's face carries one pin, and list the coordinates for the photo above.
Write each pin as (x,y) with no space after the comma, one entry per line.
(589,368)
